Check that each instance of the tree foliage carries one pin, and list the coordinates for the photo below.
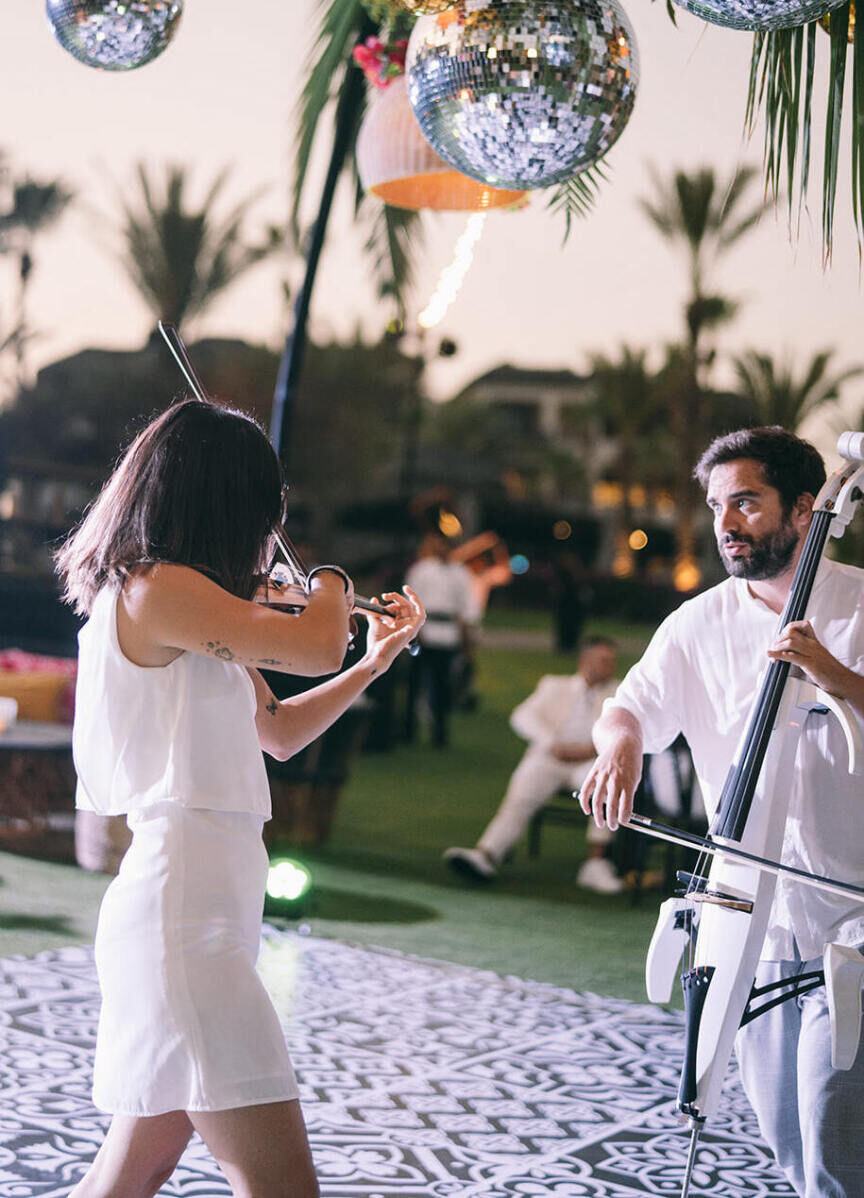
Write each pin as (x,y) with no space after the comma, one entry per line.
(180,257)
(781,397)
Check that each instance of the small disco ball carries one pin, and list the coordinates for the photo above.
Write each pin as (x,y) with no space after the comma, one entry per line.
(114,35)
(523,93)
(759,15)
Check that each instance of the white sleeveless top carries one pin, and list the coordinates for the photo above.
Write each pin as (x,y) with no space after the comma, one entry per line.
(185,731)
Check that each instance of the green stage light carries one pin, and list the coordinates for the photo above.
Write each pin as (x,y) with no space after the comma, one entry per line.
(289,884)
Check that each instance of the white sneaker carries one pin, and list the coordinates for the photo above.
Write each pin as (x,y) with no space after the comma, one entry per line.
(598,874)
(470,863)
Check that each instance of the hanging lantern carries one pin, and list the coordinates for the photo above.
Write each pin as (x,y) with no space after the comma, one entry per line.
(523,93)
(759,15)
(114,35)
(825,22)
(396,163)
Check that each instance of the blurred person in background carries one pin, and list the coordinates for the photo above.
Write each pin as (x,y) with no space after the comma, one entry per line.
(556,719)
(444,588)
(488,562)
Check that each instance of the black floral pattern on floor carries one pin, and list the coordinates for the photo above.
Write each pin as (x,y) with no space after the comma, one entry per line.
(419,1079)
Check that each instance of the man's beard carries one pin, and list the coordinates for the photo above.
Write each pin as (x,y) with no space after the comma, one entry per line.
(769,555)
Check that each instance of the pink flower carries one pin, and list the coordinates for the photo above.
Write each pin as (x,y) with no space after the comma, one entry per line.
(380,62)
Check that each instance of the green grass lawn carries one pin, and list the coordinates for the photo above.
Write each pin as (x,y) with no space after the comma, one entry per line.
(380,879)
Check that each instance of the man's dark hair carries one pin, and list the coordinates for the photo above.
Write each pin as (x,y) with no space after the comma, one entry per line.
(790,465)
(591,642)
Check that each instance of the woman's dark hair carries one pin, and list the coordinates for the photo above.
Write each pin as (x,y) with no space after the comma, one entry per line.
(789,464)
(200,486)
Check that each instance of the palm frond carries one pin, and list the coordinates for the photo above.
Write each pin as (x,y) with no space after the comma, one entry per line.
(839,31)
(576,197)
(180,257)
(782,72)
(781,397)
(341,27)
(395,232)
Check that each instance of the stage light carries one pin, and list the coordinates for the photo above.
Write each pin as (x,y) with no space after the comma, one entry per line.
(289,884)
(638,539)
(519,563)
(561,530)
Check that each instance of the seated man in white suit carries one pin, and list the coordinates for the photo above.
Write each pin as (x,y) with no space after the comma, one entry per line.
(556,719)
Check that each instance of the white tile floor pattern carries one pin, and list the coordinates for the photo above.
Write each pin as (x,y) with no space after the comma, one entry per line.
(419,1079)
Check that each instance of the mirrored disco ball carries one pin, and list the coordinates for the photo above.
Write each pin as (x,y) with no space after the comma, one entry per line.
(114,35)
(523,93)
(759,14)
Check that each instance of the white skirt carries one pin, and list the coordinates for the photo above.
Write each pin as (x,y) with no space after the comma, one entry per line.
(186,1023)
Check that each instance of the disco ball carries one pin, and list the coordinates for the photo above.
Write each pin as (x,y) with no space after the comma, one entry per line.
(760,15)
(114,35)
(523,93)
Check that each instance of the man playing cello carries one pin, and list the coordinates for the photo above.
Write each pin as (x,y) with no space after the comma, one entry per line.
(698,676)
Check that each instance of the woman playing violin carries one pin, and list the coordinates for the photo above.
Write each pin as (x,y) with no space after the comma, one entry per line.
(171,717)
(698,676)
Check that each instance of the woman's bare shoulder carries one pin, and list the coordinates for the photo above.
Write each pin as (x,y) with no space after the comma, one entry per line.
(167,581)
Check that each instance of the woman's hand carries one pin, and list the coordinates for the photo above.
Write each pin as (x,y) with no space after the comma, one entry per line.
(389,634)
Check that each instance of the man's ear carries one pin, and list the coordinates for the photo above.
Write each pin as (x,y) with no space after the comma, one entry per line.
(802,509)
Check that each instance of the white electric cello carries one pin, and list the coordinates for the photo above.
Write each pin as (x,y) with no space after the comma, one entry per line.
(720,922)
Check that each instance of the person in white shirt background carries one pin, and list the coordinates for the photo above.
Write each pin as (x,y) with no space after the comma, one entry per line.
(444,588)
(698,677)
(556,720)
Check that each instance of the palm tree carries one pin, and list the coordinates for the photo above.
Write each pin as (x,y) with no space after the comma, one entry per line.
(705,218)
(35,206)
(334,76)
(180,258)
(781,398)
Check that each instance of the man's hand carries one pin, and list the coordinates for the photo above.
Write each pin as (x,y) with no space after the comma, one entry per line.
(799,645)
(607,792)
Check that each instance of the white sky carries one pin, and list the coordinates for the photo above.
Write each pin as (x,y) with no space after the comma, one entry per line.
(225,92)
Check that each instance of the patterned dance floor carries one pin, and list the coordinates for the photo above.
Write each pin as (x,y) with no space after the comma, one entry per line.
(419,1079)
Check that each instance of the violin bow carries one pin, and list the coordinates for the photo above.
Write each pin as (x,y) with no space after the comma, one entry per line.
(293,559)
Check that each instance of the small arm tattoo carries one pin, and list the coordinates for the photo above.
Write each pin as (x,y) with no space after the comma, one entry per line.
(269,661)
(219,650)
(271,705)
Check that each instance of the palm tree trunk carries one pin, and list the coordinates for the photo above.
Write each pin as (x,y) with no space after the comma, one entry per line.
(291,365)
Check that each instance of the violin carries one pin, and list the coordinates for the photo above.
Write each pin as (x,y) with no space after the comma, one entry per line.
(298,572)
(281,591)
(721,919)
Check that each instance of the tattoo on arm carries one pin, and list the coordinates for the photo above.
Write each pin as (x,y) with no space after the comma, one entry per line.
(271,705)
(269,661)
(219,650)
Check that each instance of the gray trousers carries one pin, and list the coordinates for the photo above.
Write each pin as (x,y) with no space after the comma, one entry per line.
(811,1116)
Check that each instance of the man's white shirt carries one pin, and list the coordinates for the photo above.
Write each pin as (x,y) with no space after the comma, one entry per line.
(700,674)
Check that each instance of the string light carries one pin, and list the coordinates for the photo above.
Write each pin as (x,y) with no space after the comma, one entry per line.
(453,275)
